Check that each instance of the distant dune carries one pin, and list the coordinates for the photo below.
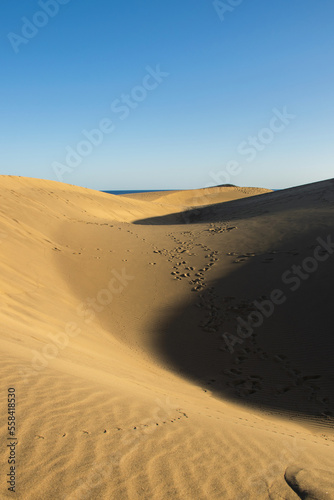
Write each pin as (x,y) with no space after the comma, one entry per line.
(172,345)
(198,197)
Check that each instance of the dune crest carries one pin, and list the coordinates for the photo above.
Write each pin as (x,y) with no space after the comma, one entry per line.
(199,197)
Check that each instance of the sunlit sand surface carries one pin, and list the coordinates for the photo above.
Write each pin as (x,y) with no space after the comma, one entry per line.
(119,331)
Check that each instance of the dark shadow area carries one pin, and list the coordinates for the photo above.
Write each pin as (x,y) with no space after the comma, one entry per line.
(284,362)
(246,208)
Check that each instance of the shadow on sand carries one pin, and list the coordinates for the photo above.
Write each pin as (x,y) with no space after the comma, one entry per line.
(246,208)
(285,364)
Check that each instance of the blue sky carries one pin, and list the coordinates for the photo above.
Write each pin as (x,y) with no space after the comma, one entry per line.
(189,93)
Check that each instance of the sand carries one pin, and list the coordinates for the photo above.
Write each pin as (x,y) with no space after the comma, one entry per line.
(132,374)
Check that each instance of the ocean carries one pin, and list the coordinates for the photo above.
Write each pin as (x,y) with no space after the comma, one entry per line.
(137,191)
(145,191)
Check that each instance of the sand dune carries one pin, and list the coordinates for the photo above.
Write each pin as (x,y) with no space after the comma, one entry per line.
(119,317)
(198,197)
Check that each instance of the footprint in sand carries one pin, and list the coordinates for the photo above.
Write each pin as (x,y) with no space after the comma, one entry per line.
(268,260)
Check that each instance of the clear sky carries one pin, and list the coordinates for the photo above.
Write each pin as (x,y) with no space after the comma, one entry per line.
(167,94)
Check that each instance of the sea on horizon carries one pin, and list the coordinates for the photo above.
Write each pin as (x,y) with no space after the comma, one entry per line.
(137,191)
(132,191)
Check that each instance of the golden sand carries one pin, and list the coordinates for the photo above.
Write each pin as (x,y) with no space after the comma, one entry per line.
(134,377)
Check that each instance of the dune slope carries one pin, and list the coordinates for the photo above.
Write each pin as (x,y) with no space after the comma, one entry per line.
(198,197)
(112,312)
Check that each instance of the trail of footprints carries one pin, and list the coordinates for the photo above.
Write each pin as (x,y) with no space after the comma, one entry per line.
(181,415)
(247,385)
(182,270)
(219,309)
